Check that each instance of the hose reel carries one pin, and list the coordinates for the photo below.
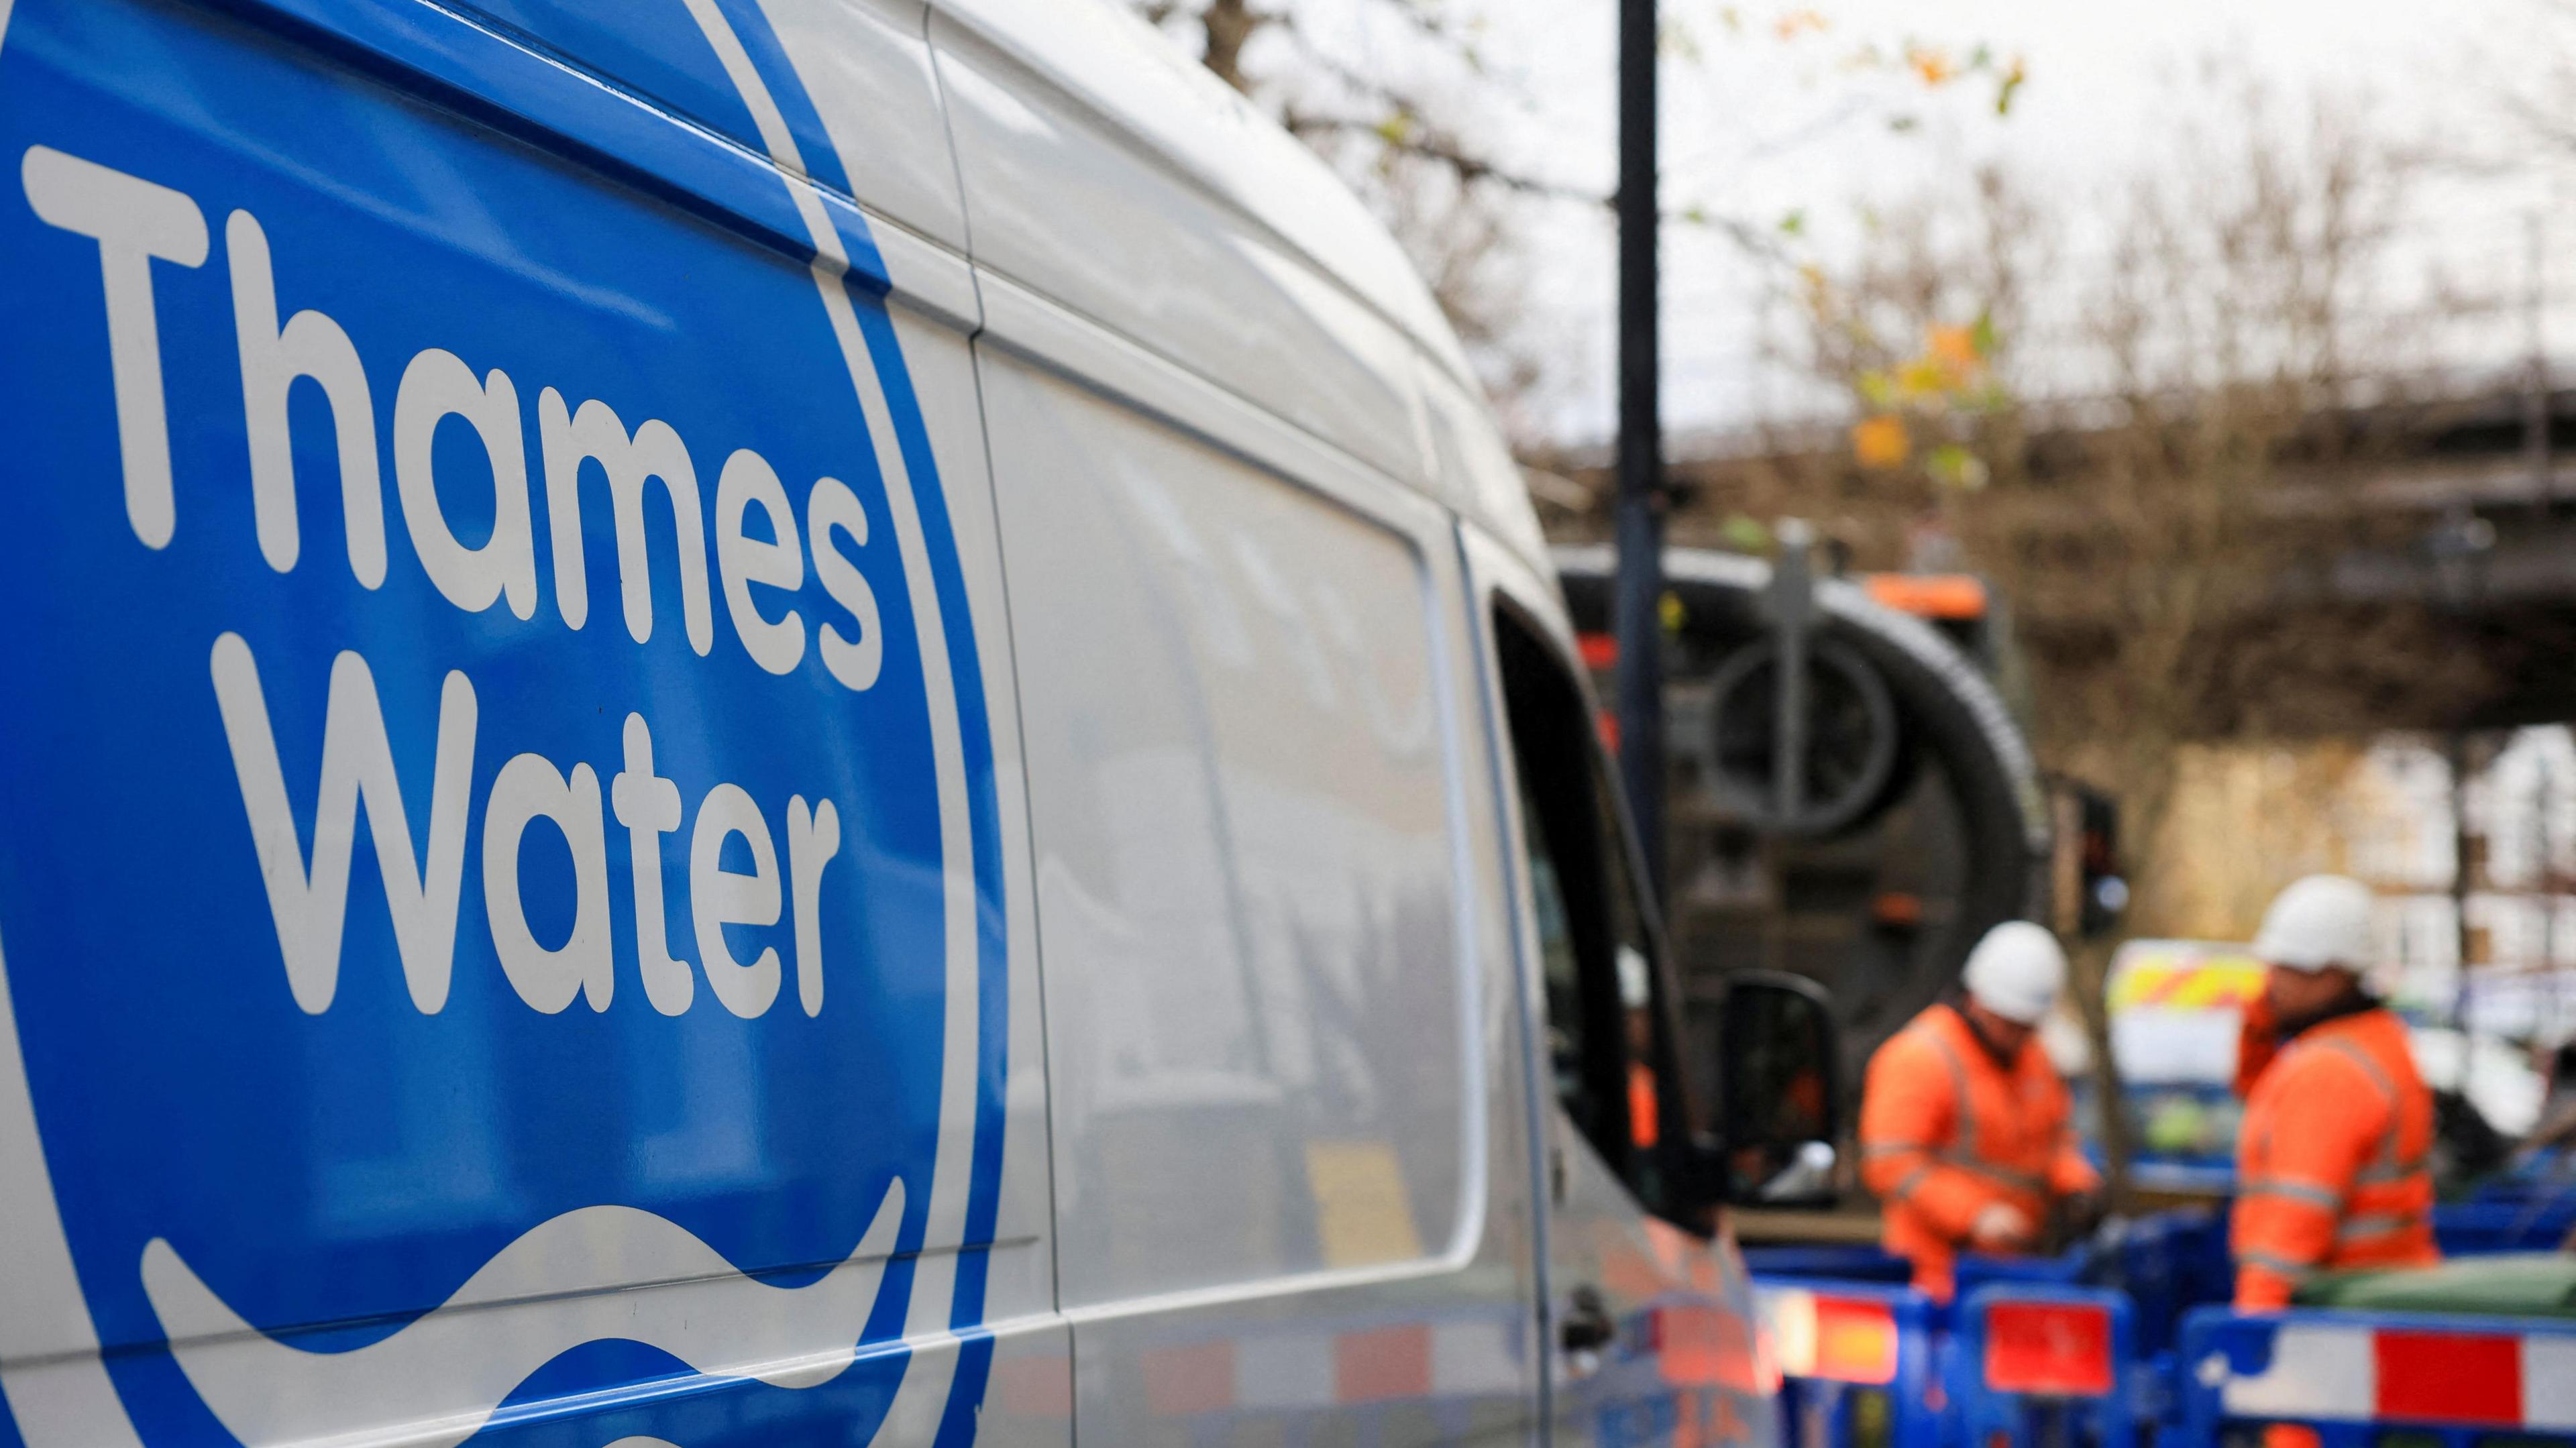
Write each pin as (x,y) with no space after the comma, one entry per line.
(1802,732)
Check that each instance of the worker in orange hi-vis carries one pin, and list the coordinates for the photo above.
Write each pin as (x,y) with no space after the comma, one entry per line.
(1964,1130)
(2333,1162)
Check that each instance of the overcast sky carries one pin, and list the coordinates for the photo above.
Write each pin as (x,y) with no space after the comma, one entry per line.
(1757,127)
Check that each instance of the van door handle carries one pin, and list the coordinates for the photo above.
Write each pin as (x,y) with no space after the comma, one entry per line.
(1588,1326)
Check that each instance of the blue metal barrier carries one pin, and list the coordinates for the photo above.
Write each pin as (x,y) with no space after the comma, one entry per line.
(2352,1378)
(2544,1172)
(2169,1263)
(1856,1363)
(1840,1263)
(2505,1222)
(2035,1363)
(1877,1264)
(1976,1269)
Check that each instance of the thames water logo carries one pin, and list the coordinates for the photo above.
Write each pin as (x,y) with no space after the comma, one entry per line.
(492,914)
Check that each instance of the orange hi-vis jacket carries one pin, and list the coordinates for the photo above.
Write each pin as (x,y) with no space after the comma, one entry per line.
(2333,1164)
(2258,1040)
(1946,1130)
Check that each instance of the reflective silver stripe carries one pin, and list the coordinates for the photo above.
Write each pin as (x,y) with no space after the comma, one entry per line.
(2379,1224)
(2297,1191)
(2351,1050)
(1912,1180)
(2387,1171)
(1960,1112)
(1897,1148)
(2020,1180)
(2274,1262)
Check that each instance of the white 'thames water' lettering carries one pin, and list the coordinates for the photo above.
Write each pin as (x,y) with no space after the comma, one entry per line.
(833,506)
(135,223)
(310,908)
(649,806)
(745,560)
(311,345)
(530,788)
(719,897)
(654,451)
(813,838)
(309,904)
(436,386)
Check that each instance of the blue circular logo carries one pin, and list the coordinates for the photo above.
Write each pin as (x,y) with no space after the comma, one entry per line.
(499,906)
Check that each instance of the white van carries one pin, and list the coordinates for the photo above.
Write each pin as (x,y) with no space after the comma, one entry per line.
(794,721)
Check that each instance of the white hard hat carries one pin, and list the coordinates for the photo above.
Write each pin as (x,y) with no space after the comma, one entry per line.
(2016,971)
(2321,921)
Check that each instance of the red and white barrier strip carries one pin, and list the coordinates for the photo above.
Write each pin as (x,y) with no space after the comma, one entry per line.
(2351,1374)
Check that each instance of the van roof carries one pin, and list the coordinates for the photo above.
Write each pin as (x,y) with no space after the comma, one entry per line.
(1119,66)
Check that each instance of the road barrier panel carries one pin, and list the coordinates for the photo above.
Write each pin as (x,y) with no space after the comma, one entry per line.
(2033,1363)
(1856,1364)
(2353,1377)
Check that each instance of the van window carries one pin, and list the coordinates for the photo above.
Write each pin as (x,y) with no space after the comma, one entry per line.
(1562,972)
(1607,1033)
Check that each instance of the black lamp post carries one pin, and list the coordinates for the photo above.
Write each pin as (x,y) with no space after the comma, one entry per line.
(1640,587)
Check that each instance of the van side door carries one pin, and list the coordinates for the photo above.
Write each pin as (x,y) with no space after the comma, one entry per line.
(1289,1143)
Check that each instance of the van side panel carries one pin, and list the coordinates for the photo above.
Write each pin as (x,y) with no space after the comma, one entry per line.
(506,917)
(1277,1061)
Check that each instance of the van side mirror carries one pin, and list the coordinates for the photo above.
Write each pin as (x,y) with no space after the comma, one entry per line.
(1780,1098)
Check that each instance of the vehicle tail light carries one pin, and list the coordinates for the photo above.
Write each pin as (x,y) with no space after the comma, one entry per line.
(1855,1341)
(1840,1339)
